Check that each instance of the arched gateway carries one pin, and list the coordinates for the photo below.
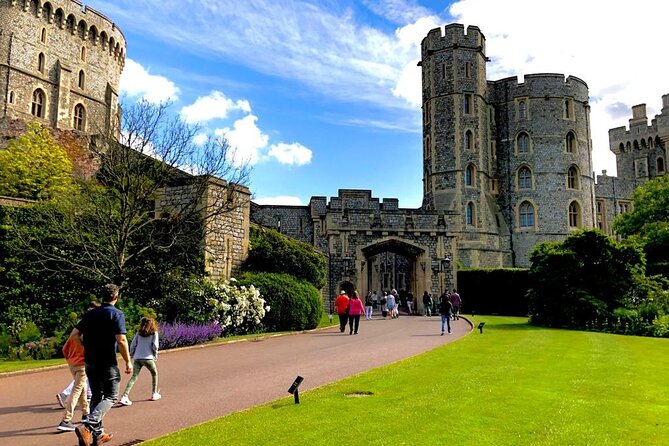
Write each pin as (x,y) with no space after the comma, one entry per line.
(370,244)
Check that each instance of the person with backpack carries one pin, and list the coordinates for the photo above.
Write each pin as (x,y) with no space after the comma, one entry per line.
(446,310)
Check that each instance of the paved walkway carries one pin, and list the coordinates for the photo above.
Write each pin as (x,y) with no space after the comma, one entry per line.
(200,384)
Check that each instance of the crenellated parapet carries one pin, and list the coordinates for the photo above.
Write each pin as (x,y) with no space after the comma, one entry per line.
(540,85)
(453,36)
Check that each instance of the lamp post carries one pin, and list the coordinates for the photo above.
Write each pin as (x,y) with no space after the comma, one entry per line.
(442,269)
(330,291)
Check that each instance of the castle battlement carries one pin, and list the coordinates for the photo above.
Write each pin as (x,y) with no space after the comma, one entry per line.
(543,85)
(453,36)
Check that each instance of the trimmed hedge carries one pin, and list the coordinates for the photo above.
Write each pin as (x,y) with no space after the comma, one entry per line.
(294,304)
(494,291)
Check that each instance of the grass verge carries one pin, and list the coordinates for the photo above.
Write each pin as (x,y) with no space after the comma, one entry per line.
(512,385)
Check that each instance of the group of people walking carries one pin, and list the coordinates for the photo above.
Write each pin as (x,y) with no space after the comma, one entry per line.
(90,352)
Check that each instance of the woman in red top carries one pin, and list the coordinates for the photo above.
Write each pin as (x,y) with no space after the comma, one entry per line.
(355,309)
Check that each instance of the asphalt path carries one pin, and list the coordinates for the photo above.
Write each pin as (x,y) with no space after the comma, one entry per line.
(202,383)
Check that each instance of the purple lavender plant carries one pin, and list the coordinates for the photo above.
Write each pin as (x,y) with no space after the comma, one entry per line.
(181,335)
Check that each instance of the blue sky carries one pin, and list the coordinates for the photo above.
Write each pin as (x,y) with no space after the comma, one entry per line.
(324,95)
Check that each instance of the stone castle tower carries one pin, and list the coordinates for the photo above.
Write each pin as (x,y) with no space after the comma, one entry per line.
(512,159)
(60,65)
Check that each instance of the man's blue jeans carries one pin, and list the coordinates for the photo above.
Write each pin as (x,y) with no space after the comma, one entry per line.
(445,320)
(104,382)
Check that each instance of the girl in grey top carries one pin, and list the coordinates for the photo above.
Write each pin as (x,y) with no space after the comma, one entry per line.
(144,352)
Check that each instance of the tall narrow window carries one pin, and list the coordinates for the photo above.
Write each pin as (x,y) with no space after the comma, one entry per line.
(574,215)
(469,175)
(42,36)
(37,106)
(570,142)
(567,109)
(522,112)
(82,79)
(524,178)
(469,140)
(41,63)
(660,165)
(471,217)
(468,70)
(526,215)
(83,54)
(572,178)
(523,143)
(468,104)
(79,117)
(11,97)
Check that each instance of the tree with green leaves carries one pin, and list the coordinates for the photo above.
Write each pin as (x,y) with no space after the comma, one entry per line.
(34,166)
(648,222)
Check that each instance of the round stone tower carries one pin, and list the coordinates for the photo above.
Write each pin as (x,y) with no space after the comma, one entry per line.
(60,65)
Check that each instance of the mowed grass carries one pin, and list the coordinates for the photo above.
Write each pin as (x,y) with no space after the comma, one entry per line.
(512,385)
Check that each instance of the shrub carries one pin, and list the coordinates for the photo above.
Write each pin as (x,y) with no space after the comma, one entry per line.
(181,335)
(272,252)
(661,326)
(240,308)
(294,304)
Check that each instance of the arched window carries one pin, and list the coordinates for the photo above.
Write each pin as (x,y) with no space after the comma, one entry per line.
(79,117)
(38,105)
(83,54)
(574,215)
(470,174)
(570,143)
(11,97)
(567,109)
(523,143)
(469,140)
(643,144)
(650,142)
(524,178)
(41,63)
(636,145)
(660,165)
(522,112)
(526,215)
(42,36)
(572,178)
(628,147)
(471,216)
(82,79)
(621,148)
(467,104)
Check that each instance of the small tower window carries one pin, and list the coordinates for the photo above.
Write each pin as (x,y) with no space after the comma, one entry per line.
(522,110)
(42,35)
(470,214)
(568,109)
(524,178)
(82,79)
(83,54)
(526,215)
(41,63)
(523,143)
(572,178)
(470,174)
(467,106)
(37,106)
(570,142)
(468,70)
(79,117)
(469,140)
(660,165)
(11,97)
(574,215)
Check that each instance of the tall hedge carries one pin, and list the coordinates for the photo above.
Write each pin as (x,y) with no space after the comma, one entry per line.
(294,304)
(273,252)
(494,291)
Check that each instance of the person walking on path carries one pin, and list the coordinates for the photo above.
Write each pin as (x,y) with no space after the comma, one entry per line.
(354,311)
(390,304)
(446,310)
(342,305)
(427,303)
(73,352)
(410,302)
(369,306)
(101,331)
(144,352)
(457,303)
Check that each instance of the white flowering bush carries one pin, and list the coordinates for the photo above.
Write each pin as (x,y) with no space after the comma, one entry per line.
(239,309)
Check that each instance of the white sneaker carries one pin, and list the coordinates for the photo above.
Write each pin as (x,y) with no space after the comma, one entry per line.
(124,401)
(155,397)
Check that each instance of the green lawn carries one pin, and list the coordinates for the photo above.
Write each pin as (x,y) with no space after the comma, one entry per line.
(512,385)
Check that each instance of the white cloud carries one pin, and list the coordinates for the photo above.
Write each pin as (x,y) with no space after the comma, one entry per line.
(214,106)
(246,140)
(284,200)
(137,82)
(292,154)
(200,139)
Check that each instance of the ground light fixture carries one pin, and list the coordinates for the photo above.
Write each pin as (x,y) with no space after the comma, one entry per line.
(294,388)
(480,327)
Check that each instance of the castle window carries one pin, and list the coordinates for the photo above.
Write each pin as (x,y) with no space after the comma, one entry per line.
(79,117)
(470,174)
(526,215)
(83,53)
(426,112)
(572,178)
(570,143)
(42,35)
(660,165)
(628,147)
(41,63)
(568,109)
(574,215)
(467,105)
(523,143)
(636,145)
(522,110)
(658,143)
(82,79)
(650,142)
(38,104)
(469,140)
(643,144)
(524,178)
(470,214)
(621,148)
(468,70)
(11,97)
(624,206)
